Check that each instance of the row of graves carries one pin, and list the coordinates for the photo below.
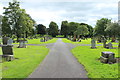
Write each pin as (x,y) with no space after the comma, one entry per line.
(106,56)
(7,48)
(45,38)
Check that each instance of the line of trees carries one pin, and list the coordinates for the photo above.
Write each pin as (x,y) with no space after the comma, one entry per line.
(16,23)
(76,29)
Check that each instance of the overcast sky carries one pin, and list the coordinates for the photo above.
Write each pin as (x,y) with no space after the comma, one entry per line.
(88,11)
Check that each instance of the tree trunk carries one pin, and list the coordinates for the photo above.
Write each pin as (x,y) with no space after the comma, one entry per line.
(78,37)
(74,39)
(104,42)
(119,45)
(113,38)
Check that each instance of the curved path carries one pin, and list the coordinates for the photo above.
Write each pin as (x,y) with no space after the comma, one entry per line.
(59,63)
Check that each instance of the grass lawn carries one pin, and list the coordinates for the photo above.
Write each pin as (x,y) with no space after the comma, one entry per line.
(28,59)
(37,41)
(89,58)
(86,41)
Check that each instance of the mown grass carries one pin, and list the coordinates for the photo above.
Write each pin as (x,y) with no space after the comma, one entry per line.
(37,41)
(27,59)
(86,41)
(90,59)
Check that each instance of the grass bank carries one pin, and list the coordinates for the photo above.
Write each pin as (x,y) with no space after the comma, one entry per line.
(27,59)
(90,59)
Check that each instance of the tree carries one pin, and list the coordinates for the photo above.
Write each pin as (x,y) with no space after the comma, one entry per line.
(90,29)
(72,27)
(81,30)
(65,28)
(16,21)
(53,29)
(114,29)
(41,29)
(100,27)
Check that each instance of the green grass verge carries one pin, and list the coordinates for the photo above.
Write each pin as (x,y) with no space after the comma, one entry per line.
(89,58)
(28,59)
(86,41)
(37,41)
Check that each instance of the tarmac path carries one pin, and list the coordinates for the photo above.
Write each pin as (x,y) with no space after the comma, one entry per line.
(59,63)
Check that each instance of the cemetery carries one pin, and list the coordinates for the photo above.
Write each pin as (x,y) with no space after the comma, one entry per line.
(71,49)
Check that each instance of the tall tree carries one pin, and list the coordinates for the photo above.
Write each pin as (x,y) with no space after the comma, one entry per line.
(114,29)
(100,27)
(72,27)
(81,30)
(41,29)
(90,29)
(16,21)
(64,28)
(53,29)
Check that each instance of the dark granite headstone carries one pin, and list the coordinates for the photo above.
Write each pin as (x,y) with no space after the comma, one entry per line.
(5,40)
(7,49)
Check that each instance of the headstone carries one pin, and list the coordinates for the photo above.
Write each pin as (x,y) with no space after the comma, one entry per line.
(5,40)
(79,40)
(116,41)
(107,57)
(7,49)
(42,40)
(9,42)
(22,44)
(110,45)
(93,44)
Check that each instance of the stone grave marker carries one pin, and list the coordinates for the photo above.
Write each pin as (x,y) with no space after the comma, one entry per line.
(107,57)
(22,44)
(93,44)
(79,40)
(42,40)
(116,41)
(7,49)
(110,45)
(9,42)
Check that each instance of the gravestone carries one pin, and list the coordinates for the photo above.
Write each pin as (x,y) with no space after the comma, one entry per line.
(79,40)
(7,49)
(22,44)
(107,57)
(42,40)
(110,45)
(93,44)
(116,41)
(9,42)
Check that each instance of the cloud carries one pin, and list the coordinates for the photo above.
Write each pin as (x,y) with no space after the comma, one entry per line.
(88,11)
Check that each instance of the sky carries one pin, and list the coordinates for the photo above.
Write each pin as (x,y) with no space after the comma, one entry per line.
(86,11)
